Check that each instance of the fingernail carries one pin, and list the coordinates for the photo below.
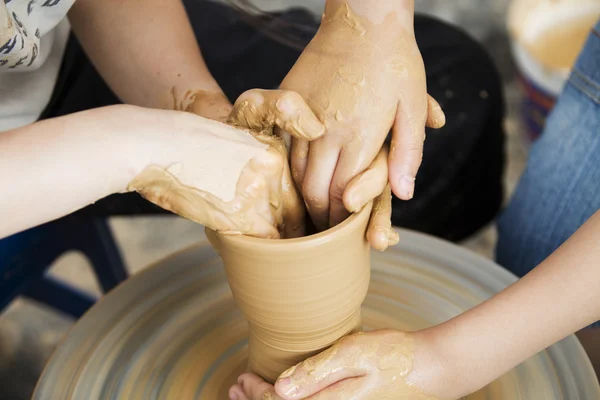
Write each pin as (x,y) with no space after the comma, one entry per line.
(233,396)
(407,187)
(313,126)
(356,203)
(287,387)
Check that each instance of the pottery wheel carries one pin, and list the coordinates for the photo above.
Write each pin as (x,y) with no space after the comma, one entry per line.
(174,332)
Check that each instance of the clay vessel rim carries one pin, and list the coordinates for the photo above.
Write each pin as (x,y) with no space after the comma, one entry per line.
(306,241)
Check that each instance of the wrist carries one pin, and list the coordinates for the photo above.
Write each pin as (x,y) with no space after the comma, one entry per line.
(139,135)
(378,16)
(433,371)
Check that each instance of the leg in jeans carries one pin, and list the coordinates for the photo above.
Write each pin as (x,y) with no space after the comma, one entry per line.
(453,198)
(560,188)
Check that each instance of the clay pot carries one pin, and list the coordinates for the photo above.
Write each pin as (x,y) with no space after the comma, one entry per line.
(298,295)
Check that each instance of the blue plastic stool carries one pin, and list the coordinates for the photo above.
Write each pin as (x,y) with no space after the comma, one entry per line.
(26,256)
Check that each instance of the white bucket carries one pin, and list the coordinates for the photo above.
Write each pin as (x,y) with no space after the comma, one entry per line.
(547,36)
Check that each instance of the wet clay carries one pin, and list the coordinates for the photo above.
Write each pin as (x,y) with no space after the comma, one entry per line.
(173,331)
(263,110)
(554,32)
(299,295)
(367,64)
(383,372)
(350,88)
(239,182)
(214,105)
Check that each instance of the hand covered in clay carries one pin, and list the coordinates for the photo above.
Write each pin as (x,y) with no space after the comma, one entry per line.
(208,104)
(376,365)
(361,77)
(268,110)
(227,179)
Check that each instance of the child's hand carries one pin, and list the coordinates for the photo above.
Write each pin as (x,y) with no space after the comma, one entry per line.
(230,180)
(377,365)
(267,110)
(208,104)
(361,80)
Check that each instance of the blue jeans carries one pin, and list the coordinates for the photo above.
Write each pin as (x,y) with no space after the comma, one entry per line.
(560,188)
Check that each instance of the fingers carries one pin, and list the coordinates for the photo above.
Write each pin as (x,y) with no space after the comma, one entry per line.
(369,184)
(293,207)
(237,393)
(299,160)
(251,387)
(373,184)
(321,166)
(283,193)
(259,109)
(342,176)
(380,233)
(260,185)
(260,229)
(318,372)
(435,115)
(406,151)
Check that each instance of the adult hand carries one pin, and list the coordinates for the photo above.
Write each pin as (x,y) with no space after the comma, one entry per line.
(269,110)
(361,79)
(230,180)
(365,366)
(208,104)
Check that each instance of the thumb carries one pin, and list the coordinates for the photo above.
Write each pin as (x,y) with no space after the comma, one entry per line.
(380,233)
(259,109)
(318,372)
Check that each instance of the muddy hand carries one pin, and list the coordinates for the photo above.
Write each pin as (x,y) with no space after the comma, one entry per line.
(361,78)
(227,179)
(262,111)
(265,110)
(383,364)
(372,184)
(211,104)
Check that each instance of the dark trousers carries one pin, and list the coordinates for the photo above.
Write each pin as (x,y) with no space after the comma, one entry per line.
(459,185)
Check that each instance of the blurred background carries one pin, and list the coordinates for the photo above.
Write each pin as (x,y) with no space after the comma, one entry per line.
(29,332)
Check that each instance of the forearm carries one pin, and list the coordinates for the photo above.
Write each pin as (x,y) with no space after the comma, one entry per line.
(559,297)
(54,167)
(145,50)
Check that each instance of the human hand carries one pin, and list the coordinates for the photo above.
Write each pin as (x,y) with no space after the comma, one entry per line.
(361,79)
(364,366)
(230,180)
(268,110)
(208,104)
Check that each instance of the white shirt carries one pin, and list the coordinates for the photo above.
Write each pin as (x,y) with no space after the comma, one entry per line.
(33,37)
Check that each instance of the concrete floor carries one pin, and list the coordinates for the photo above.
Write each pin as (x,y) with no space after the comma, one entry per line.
(29,332)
